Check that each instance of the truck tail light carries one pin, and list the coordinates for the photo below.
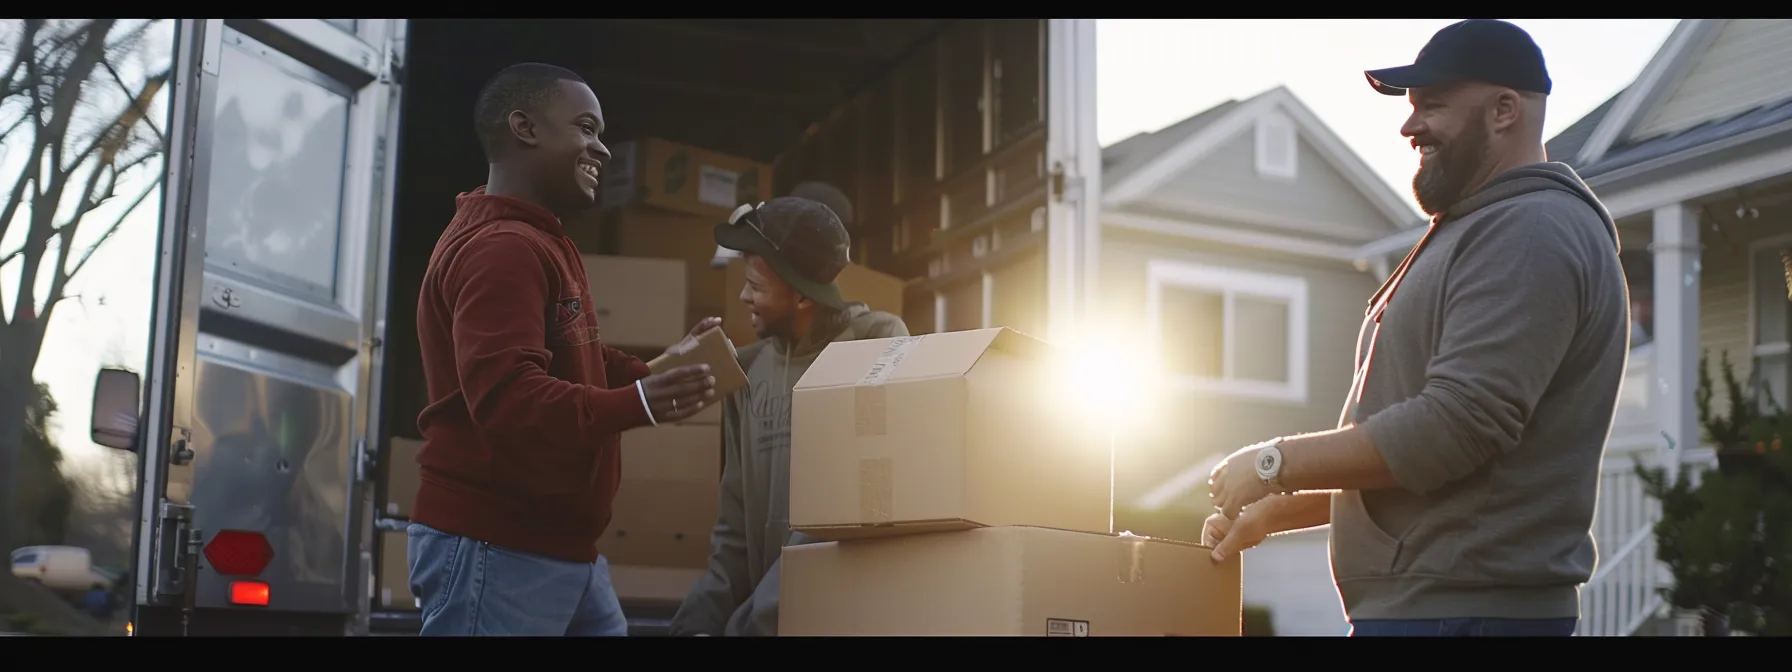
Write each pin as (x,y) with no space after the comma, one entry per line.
(249,593)
(239,553)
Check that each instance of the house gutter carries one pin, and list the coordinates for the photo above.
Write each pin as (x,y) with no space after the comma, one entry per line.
(1686,156)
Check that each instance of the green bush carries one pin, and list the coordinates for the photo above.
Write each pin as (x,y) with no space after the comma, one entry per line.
(1728,540)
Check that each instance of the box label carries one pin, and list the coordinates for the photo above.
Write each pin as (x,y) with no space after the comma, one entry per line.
(717,187)
(1063,627)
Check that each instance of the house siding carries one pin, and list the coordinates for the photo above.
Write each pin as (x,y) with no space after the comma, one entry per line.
(1319,201)
(1192,425)
(1743,68)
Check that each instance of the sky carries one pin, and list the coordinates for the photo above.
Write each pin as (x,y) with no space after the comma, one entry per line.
(1150,74)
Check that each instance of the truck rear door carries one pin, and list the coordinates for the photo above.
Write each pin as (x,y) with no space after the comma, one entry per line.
(1073,164)
(261,372)
(977,171)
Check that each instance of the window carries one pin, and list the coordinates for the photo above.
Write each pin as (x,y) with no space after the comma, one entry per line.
(1277,147)
(1230,332)
(1772,335)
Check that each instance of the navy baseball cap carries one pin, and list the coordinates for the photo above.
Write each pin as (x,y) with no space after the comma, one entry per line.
(1488,50)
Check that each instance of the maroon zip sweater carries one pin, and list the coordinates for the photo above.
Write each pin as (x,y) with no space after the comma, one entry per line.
(522,435)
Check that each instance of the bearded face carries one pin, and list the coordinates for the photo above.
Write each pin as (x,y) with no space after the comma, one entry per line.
(1449,166)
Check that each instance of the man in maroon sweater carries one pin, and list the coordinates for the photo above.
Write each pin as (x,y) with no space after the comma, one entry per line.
(521,454)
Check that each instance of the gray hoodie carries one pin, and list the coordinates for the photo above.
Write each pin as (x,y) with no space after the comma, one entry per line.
(739,594)
(1490,394)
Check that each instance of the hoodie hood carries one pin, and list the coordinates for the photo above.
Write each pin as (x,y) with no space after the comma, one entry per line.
(476,208)
(1532,178)
(838,326)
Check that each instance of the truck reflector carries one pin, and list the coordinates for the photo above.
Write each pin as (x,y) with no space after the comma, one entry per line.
(252,593)
(239,553)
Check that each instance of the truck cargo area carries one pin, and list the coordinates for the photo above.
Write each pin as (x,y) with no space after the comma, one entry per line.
(934,129)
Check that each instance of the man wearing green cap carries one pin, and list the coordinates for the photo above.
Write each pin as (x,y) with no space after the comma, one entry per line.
(793,249)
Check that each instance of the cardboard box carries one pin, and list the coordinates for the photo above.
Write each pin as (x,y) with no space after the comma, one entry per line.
(662,234)
(666,507)
(639,301)
(1009,581)
(402,477)
(876,290)
(660,586)
(675,176)
(941,432)
(711,348)
(393,590)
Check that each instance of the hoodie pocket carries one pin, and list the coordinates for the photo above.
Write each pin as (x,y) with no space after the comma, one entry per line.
(1360,548)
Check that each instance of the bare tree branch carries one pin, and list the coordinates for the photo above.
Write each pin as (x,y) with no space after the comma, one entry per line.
(140,103)
(110,230)
(51,133)
(27,43)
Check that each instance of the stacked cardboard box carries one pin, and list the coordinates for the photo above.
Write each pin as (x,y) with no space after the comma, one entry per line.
(657,542)
(661,200)
(392,576)
(959,496)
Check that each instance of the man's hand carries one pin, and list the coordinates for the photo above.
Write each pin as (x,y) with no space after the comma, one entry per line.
(1234,483)
(1228,537)
(680,393)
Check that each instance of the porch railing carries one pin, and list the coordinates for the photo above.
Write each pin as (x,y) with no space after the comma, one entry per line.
(1624,594)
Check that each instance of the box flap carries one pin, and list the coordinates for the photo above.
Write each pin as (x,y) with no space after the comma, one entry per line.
(712,348)
(890,360)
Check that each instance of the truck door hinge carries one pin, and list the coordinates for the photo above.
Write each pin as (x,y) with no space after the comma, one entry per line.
(391,69)
(176,556)
(180,450)
(367,457)
(1064,187)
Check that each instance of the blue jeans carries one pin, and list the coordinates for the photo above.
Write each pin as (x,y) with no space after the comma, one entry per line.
(1465,627)
(470,588)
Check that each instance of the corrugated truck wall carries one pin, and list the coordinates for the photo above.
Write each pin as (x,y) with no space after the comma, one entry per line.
(944,163)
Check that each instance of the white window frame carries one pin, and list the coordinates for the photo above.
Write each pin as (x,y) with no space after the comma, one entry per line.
(1757,349)
(1230,282)
(1286,166)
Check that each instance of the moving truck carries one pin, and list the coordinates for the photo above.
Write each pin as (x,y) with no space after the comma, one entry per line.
(278,381)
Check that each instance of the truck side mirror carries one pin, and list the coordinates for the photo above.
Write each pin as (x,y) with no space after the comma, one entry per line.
(115,402)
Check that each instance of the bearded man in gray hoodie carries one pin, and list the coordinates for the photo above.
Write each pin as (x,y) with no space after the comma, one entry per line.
(793,249)
(1461,483)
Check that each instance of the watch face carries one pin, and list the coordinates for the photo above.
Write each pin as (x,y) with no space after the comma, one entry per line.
(1269,461)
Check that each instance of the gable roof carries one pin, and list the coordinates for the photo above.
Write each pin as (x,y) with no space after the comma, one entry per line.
(1123,158)
(1601,142)
(1671,62)
(1566,146)
(1134,166)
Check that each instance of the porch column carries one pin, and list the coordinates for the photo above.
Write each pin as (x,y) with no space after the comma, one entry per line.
(1676,255)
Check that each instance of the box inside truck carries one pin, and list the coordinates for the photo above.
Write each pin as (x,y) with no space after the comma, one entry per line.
(934,130)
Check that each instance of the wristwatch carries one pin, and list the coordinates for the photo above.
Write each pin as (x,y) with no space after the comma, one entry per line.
(1269,465)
